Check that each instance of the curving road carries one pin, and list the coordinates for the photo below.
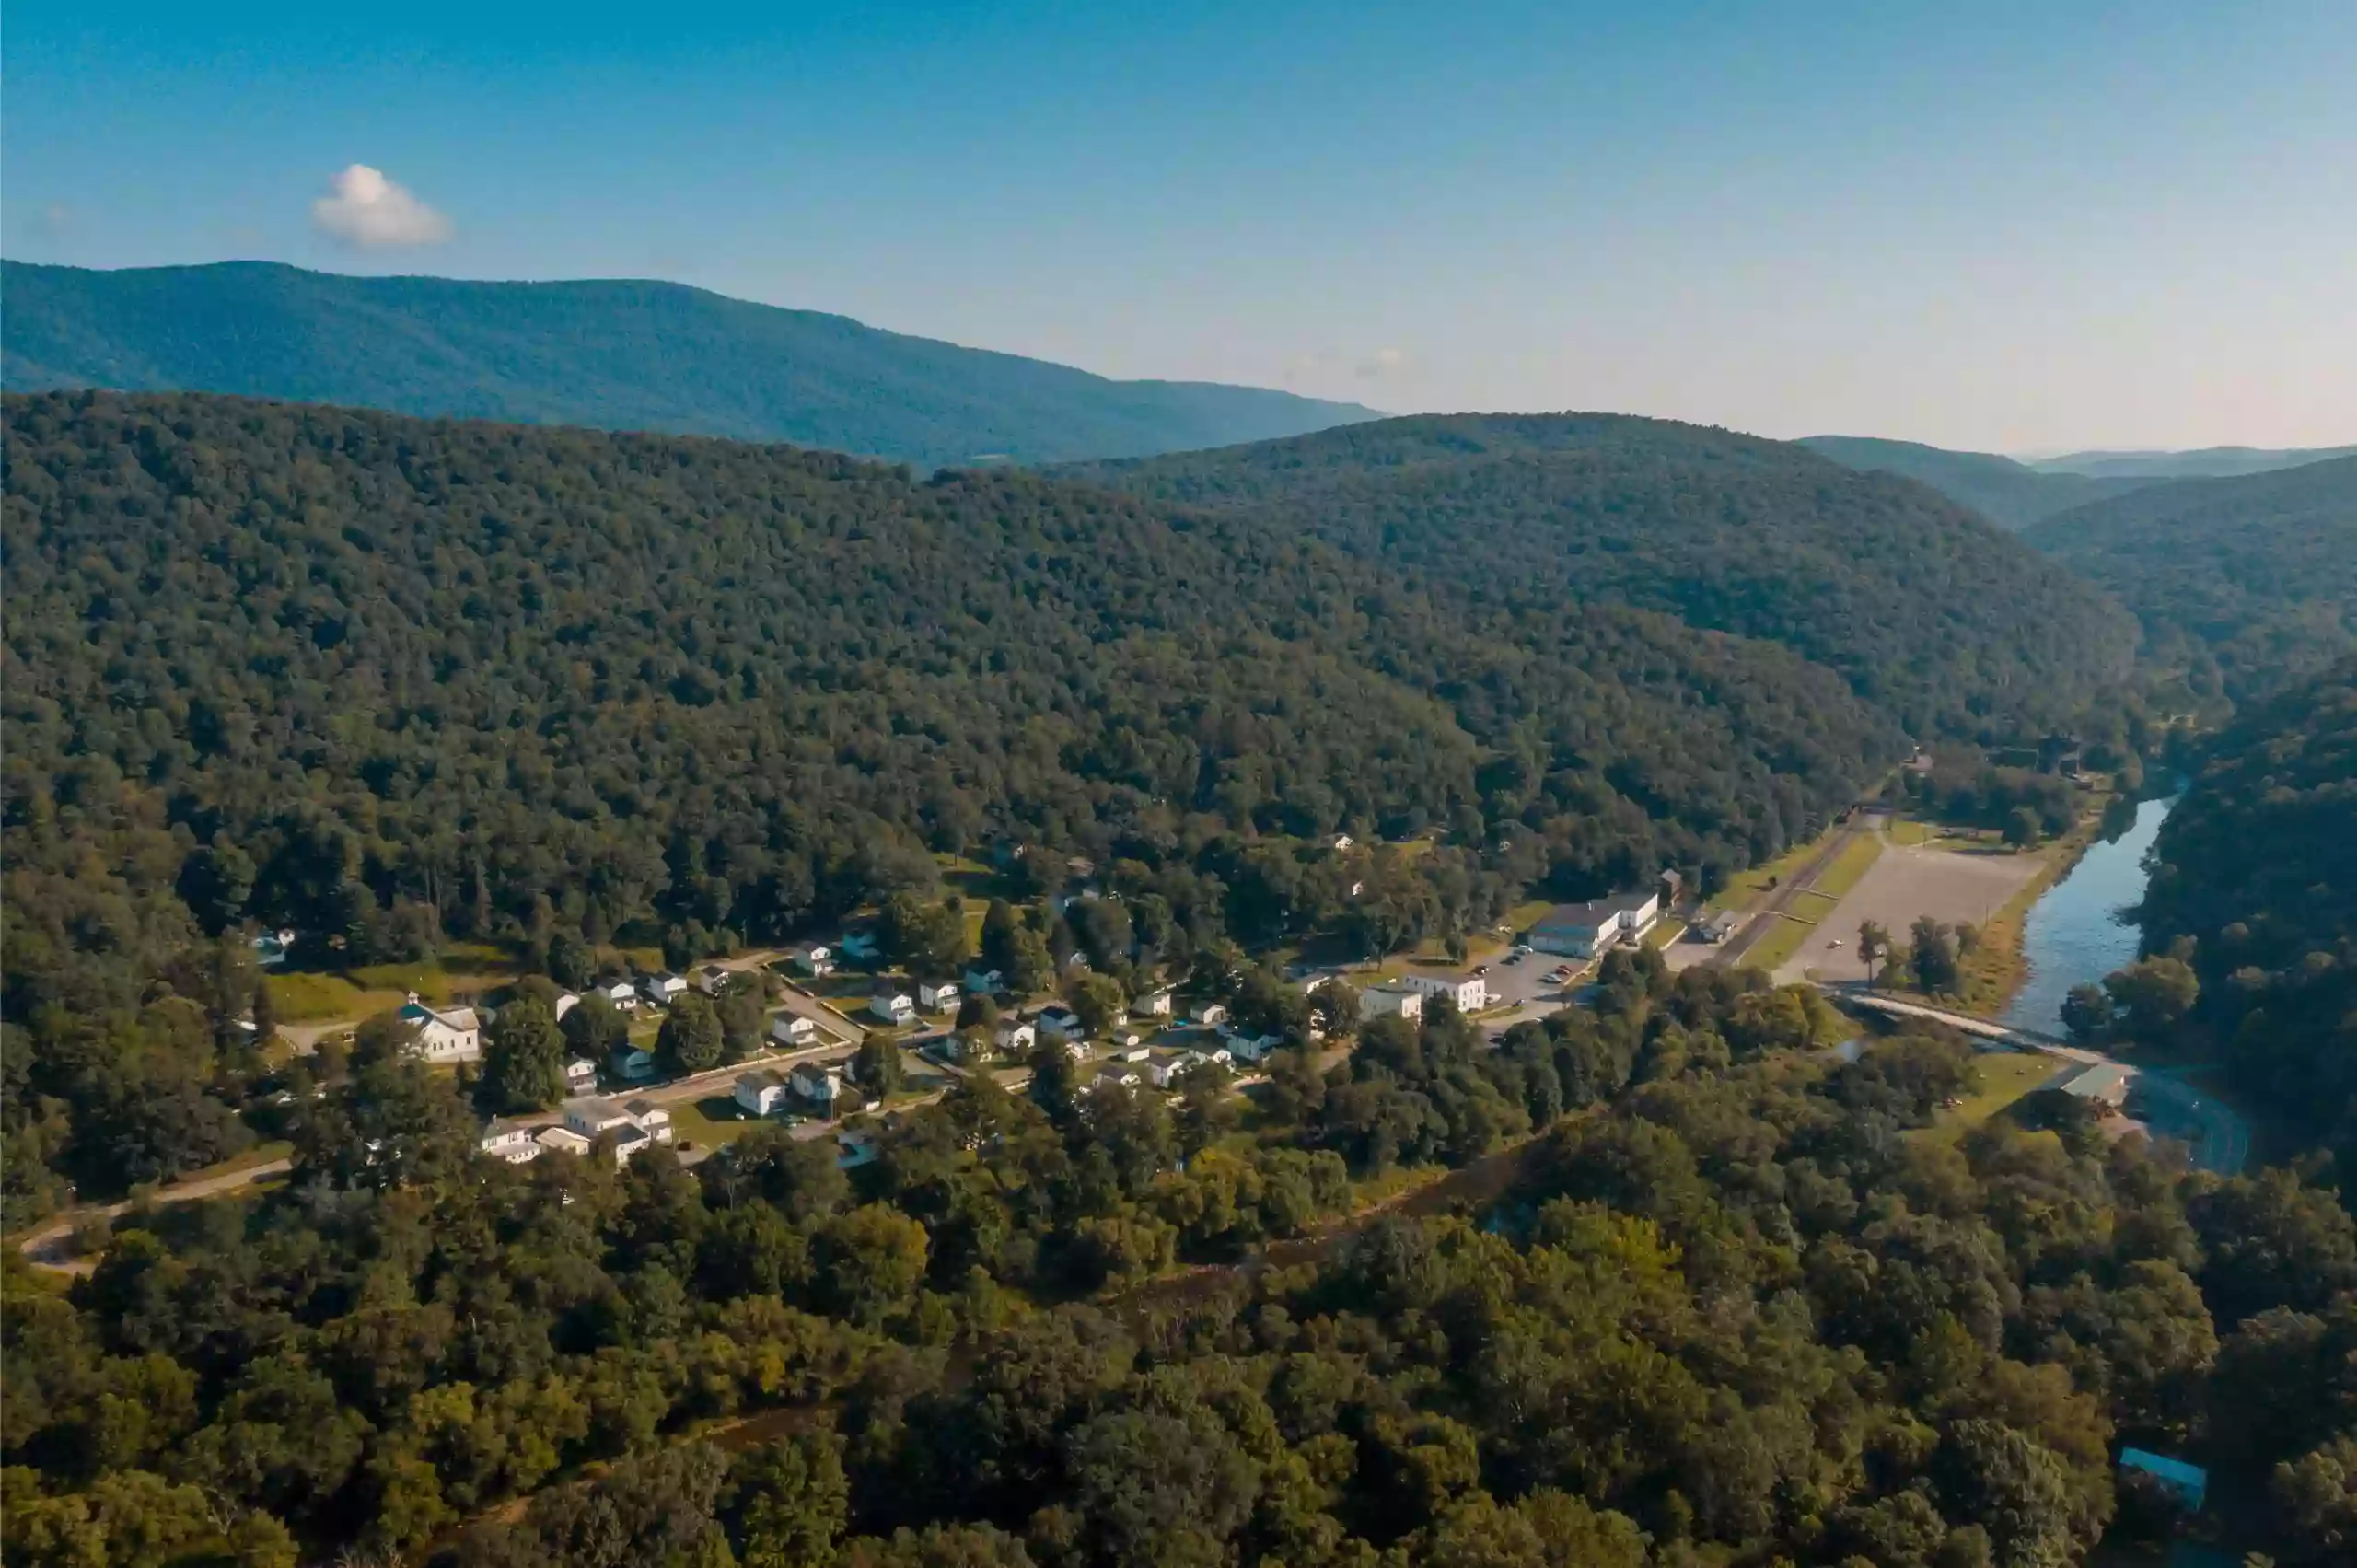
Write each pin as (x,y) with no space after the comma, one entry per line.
(2214,1130)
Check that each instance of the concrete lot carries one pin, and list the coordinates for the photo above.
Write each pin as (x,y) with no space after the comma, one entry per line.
(1906,884)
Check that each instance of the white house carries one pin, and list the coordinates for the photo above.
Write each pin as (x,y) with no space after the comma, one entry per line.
(1163,1067)
(813,959)
(590,1115)
(444,1035)
(711,980)
(1391,996)
(632,1141)
(1154,1003)
(819,1084)
(650,1117)
(893,1006)
(1469,992)
(1208,1014)
(621,995)
(1062,1022)
(1016,1037)
(792,1030)
(566,1001)
(937,996)
(762,1094)
(1247,1047)
(633,1065)
(666,988)
(581,1075)
(562,1141)
(1581,931)
(985,982)
(510,1141)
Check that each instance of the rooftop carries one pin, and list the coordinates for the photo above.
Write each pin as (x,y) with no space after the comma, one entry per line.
(1595,911)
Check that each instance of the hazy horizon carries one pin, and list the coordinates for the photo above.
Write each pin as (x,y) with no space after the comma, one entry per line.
(2029,231)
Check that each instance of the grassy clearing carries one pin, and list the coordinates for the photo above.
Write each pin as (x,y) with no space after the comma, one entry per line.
(1779,945)
(1747,887)
(2005,1076)
(1812,906)
(309,998)
(1907,830)
(1856,858)
(1523,916)
(1664,933)
(711,1121)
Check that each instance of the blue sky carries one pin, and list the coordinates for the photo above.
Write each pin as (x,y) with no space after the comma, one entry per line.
(2020,227)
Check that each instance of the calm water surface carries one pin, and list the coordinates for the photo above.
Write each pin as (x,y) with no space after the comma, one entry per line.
(2075,933)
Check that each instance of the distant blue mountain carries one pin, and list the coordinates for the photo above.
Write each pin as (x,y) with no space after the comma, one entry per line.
(617,355)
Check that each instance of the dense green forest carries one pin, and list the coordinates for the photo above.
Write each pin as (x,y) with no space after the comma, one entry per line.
(1740,1302)
(1929,612)
(2256,872)
(616,354)
(2247,583)
(2009,493)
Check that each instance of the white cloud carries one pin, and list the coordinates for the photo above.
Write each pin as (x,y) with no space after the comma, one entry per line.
(1383,362)
(368,210)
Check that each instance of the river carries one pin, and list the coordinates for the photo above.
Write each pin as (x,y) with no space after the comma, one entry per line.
(2075,933)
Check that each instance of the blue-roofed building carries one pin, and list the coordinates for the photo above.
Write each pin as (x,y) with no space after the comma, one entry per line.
(2189,1483)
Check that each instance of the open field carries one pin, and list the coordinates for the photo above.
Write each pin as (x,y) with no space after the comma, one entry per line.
(1747,887)
(1904,884)
(2005,1076)
(1782,940)
(1857,857)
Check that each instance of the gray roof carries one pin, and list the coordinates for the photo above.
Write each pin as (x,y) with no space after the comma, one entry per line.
(1596,911)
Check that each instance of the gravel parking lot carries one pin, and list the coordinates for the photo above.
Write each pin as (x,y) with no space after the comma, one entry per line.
(1906,884)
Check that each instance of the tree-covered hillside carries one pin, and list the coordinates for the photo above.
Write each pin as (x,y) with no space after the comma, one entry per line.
(619,355)
(1741,1301)
(316,667)
(1929,612)
(2011,495)
(2248,582)
(2256,868)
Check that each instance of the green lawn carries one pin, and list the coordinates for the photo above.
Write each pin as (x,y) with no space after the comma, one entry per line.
(2005,1076)
(1745,886)
(710,1121)
(1851,864)
(1779,945)
(1664,933)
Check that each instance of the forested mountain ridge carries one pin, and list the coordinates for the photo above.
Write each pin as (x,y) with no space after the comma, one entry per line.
(617,355)
(2204,462)
(1930,612)
(2009,493)
(2256,868)
(2256,575)
(313,667)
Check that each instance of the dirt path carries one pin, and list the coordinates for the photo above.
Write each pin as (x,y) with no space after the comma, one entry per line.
(41,1247)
